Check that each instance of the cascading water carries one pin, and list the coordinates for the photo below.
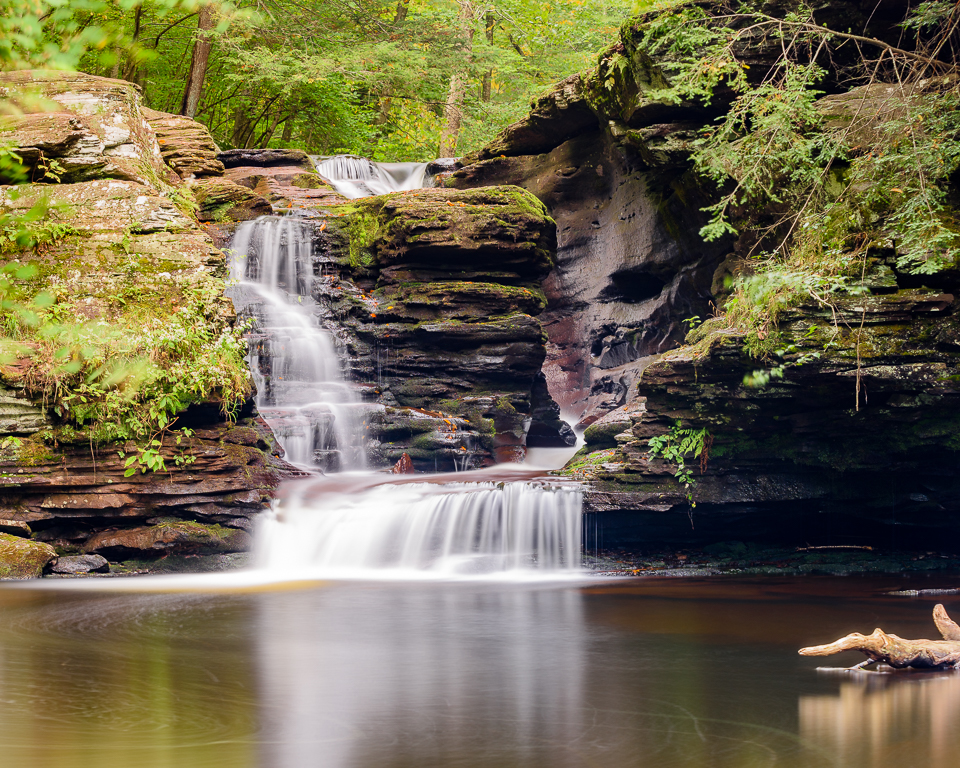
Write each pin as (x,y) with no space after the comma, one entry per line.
(427,528)
(301,393)
(365,525)
(354,176)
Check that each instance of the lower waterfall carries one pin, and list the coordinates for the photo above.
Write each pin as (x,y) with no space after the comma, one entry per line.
(340,527)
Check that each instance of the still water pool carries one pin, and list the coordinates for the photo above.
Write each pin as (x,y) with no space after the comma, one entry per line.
(600,674)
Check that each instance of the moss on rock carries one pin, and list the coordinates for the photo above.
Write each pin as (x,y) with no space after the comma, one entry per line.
(23,559)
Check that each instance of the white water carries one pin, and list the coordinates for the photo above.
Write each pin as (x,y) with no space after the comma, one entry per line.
(366,525)
(354,176)
(301,393)
(333,528)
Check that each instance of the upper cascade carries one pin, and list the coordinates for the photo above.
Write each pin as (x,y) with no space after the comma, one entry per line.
(354,176)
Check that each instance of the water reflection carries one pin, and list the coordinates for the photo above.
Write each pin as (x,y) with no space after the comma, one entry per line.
(132,681)
(392,676)
(643,674)
(888,720)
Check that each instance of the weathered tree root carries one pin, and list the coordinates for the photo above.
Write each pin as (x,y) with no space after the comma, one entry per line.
(899,653)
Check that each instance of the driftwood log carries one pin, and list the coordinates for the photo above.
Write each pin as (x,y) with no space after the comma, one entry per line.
(899,653)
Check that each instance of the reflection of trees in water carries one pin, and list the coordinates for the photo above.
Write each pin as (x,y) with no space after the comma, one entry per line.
(888,720)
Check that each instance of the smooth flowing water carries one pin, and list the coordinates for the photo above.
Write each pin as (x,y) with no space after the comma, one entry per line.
(301,392)
(354,176)
(471,524)
(367,526)
(663,673)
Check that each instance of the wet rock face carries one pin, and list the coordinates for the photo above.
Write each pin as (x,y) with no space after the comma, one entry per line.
(795,461)
(436,294)
(66,496)
(629,266)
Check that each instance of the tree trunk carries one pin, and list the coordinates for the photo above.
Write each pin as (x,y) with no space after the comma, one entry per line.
(486,89)
(132,70)
(453,110)
(401,14)
(241,123)
(898,652)
(198,62)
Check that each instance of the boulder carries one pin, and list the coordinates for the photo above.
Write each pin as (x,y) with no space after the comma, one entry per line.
(73,565)
(485,231)
(23,559)
(180,536)
(93,127)
(185,145)
(224,200)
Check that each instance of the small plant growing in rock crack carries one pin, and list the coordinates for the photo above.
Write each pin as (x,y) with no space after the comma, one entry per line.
(677,446)
(758,379)
(151,458)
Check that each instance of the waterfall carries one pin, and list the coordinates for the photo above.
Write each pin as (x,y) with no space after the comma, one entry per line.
(370,525)
(354,176)
(301,393)
(344,529)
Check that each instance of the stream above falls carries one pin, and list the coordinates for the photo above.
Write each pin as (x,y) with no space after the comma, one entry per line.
(355,177)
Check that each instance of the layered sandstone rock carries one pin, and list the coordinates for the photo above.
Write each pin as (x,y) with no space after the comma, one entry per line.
(124,252)
(804,458)
(433,295)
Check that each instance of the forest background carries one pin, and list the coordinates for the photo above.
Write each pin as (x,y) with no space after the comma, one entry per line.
(394,80)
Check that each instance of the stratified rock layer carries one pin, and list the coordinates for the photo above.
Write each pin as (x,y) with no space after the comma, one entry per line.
(434,295)
(127,252)
(804,459)
(629,266)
